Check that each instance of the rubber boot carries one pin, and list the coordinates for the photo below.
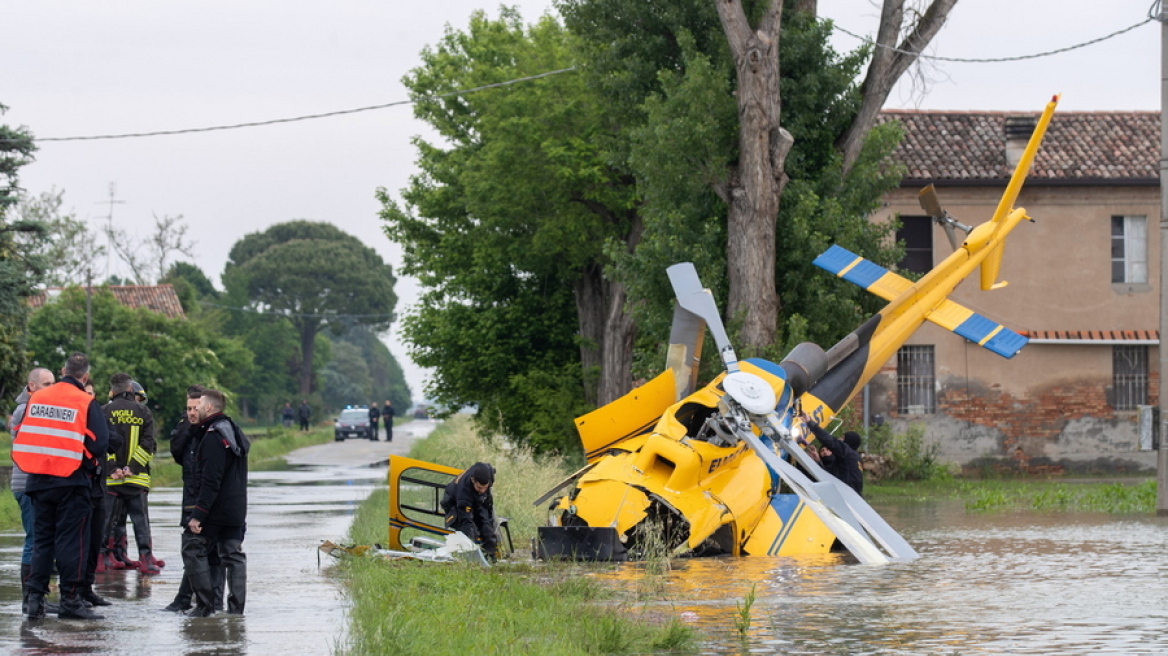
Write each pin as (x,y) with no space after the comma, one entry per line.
(92,598)
(25,570)
(182,599)
(123,555)
(36,606)
(148,564)
(235,562)
(73,608)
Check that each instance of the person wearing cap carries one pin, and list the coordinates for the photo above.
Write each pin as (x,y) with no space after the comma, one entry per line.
(470,508)
(841,458)
(128,477)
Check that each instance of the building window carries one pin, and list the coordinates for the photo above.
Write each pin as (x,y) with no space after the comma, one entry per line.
(1129,249)
(1129,366)
(916,391)
(916,232)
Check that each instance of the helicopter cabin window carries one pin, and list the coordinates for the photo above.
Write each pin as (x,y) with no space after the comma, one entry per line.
(916,232)
(1129,376)
(1129,249)
(916,392)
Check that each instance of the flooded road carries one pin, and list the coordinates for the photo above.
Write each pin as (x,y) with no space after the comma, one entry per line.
(292,607)
(985,584)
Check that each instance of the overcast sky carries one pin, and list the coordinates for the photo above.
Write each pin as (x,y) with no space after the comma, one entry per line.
(86,68)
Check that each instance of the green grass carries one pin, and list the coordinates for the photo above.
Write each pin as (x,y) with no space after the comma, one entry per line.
(1137,496)
(409,607)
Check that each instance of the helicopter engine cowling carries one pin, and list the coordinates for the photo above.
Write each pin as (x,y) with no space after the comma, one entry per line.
(805,365)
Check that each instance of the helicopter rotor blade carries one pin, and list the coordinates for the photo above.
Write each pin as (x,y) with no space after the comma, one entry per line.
(694,298)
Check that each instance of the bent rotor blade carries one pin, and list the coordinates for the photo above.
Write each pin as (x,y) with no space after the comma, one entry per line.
(693,298)
(824,500)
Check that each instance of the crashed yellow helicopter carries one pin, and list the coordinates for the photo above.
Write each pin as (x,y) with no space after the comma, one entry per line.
(718,470)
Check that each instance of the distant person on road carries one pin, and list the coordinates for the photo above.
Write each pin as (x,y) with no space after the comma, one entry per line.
(470,507)
(218,516)
(839,458)
(304,413)
(287,414)
(387,415)
(62,431)
(374,415)
(38,379)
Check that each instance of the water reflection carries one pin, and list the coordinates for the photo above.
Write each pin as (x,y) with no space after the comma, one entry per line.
(985,584)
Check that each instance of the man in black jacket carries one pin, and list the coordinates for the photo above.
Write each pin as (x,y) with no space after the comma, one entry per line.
(374,415)
(61,499)
(217,518)
(839,457)
(470,508)
(128,475)
(183,448)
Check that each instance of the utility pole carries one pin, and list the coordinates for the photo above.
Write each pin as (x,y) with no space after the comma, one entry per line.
(109,231)
(1162,454)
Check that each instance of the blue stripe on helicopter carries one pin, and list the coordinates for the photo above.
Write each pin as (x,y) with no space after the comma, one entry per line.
(837,258)
(787,507)
(980,330)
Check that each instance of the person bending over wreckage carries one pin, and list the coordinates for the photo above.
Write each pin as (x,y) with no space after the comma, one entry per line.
(470,508)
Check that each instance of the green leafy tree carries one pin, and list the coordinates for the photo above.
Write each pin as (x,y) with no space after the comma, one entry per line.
(318,277)
(505,228)
(165,355)
(19,272)
(386,379)
(648,56)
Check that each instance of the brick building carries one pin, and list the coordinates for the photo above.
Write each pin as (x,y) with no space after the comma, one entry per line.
(1084,286)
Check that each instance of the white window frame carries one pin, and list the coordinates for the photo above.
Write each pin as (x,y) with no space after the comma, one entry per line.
(1130,249)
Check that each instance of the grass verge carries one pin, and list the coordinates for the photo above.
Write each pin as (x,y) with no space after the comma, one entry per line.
(1136,496)
(410,607)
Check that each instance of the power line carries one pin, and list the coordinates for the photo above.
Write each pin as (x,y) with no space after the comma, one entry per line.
(989,60)
(307,117)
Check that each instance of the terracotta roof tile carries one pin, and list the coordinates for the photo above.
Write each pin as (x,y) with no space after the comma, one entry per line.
(159,298)
(951,145)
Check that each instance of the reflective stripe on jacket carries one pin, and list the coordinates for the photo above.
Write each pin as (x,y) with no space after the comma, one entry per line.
(51,439)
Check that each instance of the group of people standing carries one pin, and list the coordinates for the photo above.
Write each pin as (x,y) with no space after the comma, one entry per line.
(81,468)
(387,414)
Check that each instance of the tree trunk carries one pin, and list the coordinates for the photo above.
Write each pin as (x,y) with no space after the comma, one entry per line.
(757,181)
(307,346)
(890,60)
(591,312)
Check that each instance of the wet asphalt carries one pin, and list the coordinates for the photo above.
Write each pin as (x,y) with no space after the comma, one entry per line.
(293,606)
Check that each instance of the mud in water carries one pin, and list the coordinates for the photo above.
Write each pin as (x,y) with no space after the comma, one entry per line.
(293,605)
(985,584)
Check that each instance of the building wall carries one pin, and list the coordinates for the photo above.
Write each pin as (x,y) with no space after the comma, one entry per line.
(1048,408)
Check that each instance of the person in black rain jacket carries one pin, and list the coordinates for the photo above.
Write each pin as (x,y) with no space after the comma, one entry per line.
(839,457)
(470,508)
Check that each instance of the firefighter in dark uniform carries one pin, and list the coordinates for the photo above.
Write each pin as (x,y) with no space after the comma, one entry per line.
(217,519)
(128,479)
(470,508)
(63,429)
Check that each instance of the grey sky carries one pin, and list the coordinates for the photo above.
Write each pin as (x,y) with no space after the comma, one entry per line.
(84,68)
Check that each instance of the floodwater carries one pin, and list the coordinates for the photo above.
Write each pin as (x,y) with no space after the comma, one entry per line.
(1031,583)
(293,605)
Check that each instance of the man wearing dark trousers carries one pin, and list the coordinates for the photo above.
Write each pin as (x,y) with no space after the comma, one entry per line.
(374,415)
(216,521)
(387,414)
(62,432)
(128,480)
